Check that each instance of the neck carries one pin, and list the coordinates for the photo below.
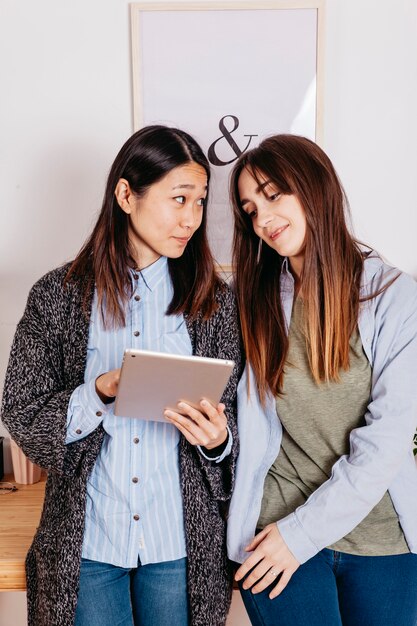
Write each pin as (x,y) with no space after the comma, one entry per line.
(296,267)
(144,256)
(142,264)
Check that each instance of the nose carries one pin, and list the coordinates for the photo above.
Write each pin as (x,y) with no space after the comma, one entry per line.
(263,215)
(190,217)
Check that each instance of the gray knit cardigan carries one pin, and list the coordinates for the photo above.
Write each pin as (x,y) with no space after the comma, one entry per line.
(47,363)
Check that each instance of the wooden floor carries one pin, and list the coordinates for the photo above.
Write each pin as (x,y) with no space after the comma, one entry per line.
(19,517)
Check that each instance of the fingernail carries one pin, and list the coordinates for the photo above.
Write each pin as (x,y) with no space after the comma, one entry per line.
(169,414)
(204,402)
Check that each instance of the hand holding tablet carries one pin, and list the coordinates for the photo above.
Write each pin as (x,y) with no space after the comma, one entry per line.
(204,427)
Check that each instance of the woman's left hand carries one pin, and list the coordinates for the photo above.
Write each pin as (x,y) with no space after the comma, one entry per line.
(270,559)
(205,427)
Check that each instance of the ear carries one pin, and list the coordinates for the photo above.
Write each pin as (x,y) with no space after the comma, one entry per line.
(124,195)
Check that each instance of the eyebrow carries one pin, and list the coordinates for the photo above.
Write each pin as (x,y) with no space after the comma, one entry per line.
(187,186)
(262,186)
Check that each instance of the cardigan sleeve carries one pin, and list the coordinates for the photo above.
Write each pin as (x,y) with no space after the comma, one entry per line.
(37,386)
(224,337)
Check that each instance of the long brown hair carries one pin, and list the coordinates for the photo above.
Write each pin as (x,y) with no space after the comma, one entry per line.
(330,278)
(105,259)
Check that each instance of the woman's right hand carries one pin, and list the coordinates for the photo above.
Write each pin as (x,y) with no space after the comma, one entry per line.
(270,559)
(107,384)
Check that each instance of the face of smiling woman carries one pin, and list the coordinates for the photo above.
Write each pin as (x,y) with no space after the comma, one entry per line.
(162,222)
(278,219)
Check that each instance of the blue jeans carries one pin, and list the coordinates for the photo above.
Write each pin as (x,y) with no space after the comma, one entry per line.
(147,595)
(335,589)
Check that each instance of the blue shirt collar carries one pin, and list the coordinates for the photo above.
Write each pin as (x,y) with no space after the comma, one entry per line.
(153,274)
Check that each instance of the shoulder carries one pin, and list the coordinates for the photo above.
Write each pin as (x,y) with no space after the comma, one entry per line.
(225,319)
(393,288)
(51,281)
(389,306)
(223,324)
(225,296)
(51,293)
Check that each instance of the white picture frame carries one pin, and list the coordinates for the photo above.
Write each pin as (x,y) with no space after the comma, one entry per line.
(230,74)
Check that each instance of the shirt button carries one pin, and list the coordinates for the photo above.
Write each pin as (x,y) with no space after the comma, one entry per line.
(135,479)
(136,440)
(136,517)
(78,431)
(99,413)
(136,333)
(135,276)
(137,298)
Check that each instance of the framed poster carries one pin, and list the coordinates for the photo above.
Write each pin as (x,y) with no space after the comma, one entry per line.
(230,74)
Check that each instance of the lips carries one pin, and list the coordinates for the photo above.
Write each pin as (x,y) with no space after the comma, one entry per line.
(182,240)
(277,232)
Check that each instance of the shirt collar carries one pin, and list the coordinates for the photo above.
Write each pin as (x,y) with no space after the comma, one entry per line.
(153,274)
(285,265)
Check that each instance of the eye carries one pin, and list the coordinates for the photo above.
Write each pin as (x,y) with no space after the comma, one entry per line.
(201,202)
(274,196)
(180,199)
(251,214)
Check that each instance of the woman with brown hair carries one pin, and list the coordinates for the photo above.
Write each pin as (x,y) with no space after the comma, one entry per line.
(133,525)
(323,519)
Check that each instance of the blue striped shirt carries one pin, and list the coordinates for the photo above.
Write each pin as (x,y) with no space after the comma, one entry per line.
(134,503)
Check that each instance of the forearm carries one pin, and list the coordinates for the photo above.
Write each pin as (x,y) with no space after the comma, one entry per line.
(86,411)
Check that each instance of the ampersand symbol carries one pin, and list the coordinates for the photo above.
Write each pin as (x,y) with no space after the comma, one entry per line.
(227,134)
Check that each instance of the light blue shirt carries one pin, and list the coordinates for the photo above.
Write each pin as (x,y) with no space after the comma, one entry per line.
(380,457)
(134,502)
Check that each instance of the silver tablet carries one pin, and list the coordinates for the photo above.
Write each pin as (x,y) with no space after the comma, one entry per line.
(151,382)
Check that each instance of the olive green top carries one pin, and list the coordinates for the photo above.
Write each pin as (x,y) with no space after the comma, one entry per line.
(317,421)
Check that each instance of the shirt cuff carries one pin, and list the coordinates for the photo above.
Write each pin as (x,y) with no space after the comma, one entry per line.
(85,412)
(296,539)
(219,458)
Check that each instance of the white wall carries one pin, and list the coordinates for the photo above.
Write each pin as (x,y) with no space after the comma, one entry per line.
(65,110)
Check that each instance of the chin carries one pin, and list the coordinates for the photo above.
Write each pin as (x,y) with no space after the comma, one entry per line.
(173,254)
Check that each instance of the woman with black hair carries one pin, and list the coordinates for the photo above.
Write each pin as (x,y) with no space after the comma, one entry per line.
(133,525)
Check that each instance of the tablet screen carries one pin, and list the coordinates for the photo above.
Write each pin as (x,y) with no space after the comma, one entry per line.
(151,382)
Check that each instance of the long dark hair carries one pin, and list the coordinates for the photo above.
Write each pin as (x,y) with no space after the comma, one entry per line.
(331,273)
(105,258)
